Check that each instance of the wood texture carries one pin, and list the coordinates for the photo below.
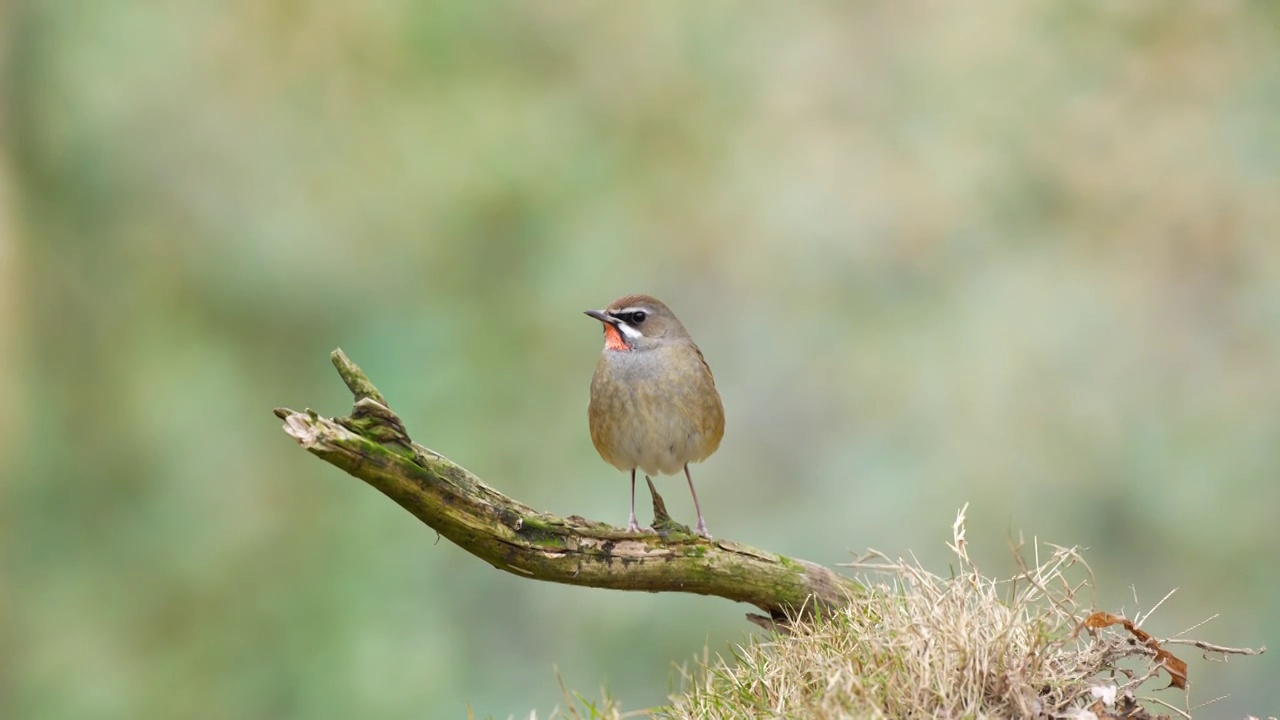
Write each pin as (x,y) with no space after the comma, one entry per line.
(373,446)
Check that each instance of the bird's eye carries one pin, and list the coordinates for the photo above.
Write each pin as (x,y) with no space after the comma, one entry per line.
(638,317)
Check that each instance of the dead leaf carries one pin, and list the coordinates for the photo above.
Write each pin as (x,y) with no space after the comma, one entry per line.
(1176,668)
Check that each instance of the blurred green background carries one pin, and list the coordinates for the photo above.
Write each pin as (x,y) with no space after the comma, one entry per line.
(1023,256)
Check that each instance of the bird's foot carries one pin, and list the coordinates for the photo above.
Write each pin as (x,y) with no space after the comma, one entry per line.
(702,530)
(633,526)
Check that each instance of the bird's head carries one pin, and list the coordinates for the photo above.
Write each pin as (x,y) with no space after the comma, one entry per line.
(638,322)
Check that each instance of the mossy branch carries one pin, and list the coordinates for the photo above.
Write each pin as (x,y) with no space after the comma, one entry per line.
(372,445)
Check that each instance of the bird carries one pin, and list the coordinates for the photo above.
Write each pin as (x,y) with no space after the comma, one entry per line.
(654,404)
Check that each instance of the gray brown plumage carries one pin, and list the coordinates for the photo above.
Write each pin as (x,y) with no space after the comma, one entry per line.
(654,404)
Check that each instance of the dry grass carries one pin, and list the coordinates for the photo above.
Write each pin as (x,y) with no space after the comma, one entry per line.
(919,645)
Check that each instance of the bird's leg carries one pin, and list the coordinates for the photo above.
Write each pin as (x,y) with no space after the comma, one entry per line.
(632,525)
(702,524)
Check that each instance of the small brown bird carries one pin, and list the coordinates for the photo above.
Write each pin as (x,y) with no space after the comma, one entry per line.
(654,404)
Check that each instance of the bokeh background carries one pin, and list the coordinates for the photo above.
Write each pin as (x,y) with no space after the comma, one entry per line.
(1021,255)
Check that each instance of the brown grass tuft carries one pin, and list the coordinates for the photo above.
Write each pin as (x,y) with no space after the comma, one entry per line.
(919,645)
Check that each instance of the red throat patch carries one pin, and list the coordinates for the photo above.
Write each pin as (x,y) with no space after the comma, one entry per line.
(613,339)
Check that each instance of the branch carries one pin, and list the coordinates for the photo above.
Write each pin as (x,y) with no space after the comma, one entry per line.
(372,445)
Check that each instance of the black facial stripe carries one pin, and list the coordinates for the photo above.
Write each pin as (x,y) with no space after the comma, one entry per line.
(630,317)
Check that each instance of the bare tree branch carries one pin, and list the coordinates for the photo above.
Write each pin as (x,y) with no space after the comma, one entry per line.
(372,445)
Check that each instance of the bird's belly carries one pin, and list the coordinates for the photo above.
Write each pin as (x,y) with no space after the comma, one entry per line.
(659,446)
(643,416)
(641,431)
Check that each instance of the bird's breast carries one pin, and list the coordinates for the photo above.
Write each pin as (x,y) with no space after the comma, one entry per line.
(656,410)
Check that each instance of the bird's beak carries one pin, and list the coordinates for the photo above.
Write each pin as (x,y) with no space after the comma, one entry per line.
(602,316)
